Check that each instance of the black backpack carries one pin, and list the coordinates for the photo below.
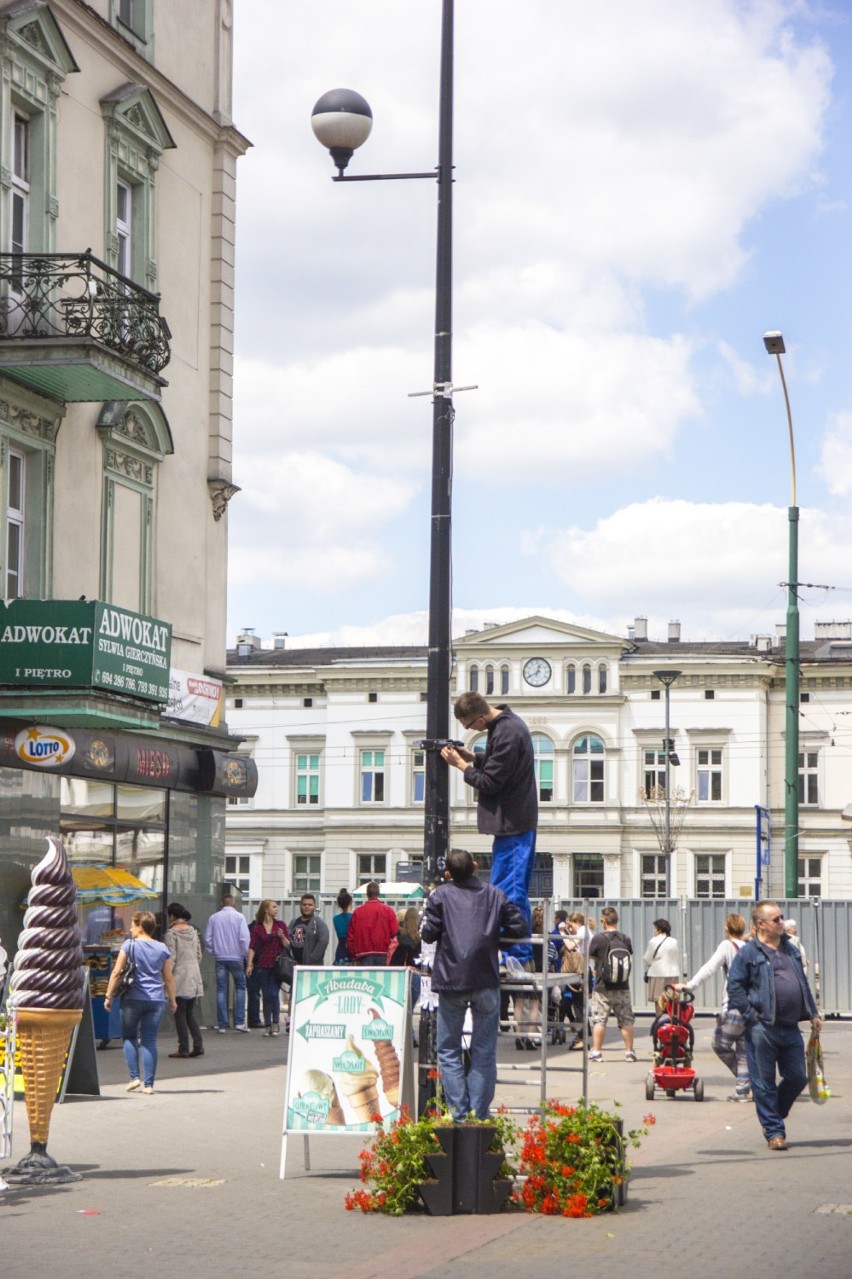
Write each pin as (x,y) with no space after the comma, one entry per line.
(617,963)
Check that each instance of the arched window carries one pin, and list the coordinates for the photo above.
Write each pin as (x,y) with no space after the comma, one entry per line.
(602,676)
(477,745)
(489,680)
(588,770)
(504,679)
(543,755)
(570,679)
(587,678)
(474,679)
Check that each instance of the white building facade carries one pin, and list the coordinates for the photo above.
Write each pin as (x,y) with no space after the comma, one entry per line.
(335,733)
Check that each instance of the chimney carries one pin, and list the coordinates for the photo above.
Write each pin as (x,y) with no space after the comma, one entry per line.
(780,632)
(640,628)
(631,633)
(674,632)
(833,630)
(279,639)
(763,643)
(247,642)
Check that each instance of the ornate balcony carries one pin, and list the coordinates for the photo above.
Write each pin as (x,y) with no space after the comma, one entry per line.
(74,329)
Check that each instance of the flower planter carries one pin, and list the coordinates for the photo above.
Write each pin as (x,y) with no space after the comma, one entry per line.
(466,1179)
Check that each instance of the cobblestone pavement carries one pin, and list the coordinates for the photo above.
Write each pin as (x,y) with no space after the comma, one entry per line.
(186,1181)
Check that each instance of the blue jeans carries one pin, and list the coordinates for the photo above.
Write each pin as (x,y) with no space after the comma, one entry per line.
(474,1091)
(271,992)
(768,1048)
(140,1018)
(237,970)
(512,861)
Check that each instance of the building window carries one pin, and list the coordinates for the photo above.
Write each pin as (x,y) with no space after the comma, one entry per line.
(124,228)
(418,776)
(15,525)
(709,694)
(372,697)
(238,873)
(136,136)
(26,500)
(602,678)
(489,680)
(809,777)
(709,776)
(20,219)
(710,875)
(570,679)
(587,679)
(372,866)
(133,19)
(504,679)
(543,763)
(588,875)
(372,777)
(654,773)
(588,770)
(810,877)
(653,875)
(655,694)
(307,873)
(307,780)
(474,679)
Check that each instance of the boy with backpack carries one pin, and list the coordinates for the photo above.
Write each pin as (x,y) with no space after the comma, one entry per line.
(611,952)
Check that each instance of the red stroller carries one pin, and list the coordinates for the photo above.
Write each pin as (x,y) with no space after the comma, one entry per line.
(674,1039)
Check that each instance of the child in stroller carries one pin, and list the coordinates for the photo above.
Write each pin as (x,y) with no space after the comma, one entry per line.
(674,1041)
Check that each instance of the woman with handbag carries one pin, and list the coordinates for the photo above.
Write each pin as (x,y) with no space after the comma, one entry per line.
(184,946)
(267,939)
(148,966)
(662,960)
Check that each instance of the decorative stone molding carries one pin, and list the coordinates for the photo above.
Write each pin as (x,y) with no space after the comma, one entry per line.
(221,492)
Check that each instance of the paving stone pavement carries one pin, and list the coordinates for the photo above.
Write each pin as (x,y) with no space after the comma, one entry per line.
(186,1182)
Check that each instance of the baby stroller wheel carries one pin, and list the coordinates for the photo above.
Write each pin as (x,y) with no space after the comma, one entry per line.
(650,1088)
(698,1089)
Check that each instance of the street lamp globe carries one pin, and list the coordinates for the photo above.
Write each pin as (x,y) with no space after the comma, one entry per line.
(341,121)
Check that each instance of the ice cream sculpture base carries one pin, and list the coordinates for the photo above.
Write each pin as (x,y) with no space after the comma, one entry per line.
(47,991)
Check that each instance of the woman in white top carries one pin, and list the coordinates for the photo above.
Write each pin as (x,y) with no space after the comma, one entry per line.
(728,1038)
(662,960)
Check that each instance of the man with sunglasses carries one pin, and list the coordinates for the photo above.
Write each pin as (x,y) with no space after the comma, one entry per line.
(767,984)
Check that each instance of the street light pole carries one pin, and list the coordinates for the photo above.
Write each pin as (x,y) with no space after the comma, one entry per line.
(667,678)
(774,343)
(342,121)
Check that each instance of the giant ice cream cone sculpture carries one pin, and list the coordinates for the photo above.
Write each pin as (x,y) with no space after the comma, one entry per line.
(47,987)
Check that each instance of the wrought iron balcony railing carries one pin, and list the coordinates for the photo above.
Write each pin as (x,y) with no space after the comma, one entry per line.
(62,295)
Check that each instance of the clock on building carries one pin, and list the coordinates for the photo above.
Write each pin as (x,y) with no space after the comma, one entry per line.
(537,671)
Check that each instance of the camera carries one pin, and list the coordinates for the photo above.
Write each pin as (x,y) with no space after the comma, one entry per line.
(437,743)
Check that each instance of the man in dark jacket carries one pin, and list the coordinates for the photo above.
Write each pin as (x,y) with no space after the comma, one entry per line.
(466,918)
(767,984)
(308,933)
(507,796)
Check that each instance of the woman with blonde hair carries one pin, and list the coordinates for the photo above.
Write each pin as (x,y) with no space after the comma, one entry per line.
(267,939)
(729,1036)
(407,950)
(143,1006)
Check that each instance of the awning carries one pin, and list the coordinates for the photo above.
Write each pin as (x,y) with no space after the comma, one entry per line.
(414,891)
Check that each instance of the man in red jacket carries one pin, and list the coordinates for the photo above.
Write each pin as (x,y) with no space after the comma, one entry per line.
(371,930)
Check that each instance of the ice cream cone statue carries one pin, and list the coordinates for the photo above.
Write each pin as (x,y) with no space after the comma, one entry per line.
(46,988)
(388,1065)
(359,1087)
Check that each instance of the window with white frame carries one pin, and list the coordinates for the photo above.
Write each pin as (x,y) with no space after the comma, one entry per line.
(809,777)
(124,228)
(372,866)
(654,772)
(15,524)
(543,761)
(587,678)
(588,770)
(489,680)
(307,873)
(27,450)
(418,776)
(473,682)
(136,135)
(710,875)
(133,19)
(810,877)
(504,679)
(238,872)
(372,777)
(570,679)
(307,779)
(478,747)
(602,677)
(587,875)
(709,775)
(20,199)
(653,877)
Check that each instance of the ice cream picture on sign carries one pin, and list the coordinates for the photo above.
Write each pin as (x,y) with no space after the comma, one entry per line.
(47,986)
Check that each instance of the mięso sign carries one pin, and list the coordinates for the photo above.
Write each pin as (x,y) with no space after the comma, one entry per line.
(84,644)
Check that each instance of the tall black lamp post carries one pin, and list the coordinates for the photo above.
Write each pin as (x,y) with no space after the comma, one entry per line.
(667,678)
(342,121)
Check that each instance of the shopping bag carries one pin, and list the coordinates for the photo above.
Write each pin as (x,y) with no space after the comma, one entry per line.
(818,1088)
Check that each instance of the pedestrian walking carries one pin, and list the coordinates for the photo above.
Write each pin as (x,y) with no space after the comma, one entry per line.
(767,984)
(611,952)
(143,1006)
(662,960)
(226,937)
(267,939)
(184,946)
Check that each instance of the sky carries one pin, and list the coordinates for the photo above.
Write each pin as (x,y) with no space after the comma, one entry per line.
(642,190)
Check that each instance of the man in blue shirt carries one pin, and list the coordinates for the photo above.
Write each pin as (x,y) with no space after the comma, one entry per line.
(767,984)
(226,937)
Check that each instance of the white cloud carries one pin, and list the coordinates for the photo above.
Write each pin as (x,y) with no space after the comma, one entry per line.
(835,465)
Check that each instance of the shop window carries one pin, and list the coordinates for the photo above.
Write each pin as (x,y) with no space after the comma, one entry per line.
(588,770)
